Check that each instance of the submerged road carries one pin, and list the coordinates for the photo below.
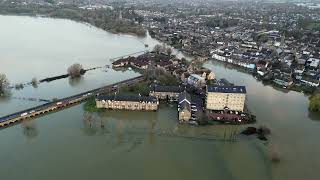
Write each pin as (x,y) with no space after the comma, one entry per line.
(63,103)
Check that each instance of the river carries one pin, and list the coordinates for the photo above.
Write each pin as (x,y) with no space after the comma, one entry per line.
(135,145)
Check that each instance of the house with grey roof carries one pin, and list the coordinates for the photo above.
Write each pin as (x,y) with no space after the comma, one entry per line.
(184,106)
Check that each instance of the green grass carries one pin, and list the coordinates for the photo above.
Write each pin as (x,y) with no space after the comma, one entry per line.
(139,88)
(90,106)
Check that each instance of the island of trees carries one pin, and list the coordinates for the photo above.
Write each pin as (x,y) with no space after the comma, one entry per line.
(104,18)
(4,84)
(314,104)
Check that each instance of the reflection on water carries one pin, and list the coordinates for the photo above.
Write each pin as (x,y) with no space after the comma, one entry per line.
(89,124)
(315,116)
(6,98)
(30,129)
(74,82)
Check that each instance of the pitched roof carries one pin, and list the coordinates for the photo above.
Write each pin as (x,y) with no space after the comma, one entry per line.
(176,89)
(227,89)
(184,97)
(133,98)
(195,77)
(185,106)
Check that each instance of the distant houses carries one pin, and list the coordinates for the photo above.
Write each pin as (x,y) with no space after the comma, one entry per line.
(236,57)
(143,61)
(122,62)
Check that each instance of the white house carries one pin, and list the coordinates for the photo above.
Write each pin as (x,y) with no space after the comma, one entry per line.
(196,80)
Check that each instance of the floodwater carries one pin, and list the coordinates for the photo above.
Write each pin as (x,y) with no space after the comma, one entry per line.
(135,145)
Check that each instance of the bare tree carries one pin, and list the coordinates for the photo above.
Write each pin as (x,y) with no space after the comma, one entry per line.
(75,70)
(157,48)
(4,84)
(34,82)
(169,51)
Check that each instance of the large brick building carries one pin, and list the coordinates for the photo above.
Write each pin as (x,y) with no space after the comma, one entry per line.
(226,98)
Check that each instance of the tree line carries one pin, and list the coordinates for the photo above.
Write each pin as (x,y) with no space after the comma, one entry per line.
(105,19)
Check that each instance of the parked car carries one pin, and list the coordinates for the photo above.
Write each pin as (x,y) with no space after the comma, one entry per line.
(23,114)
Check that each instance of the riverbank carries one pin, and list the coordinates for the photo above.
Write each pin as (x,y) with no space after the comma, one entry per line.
(106,19)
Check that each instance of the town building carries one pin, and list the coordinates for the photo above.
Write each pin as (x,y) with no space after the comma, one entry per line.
(166,92)
(126,102)
(308,81)
(184,107)
(140,64)
(121,63)
(196,81)
(283,81)
(226,98)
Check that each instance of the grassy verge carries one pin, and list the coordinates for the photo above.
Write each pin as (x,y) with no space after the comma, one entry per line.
(90,106)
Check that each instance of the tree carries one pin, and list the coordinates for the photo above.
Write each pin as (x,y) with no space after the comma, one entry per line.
(75,70)
(34,82)
(4,84)
(314,104)
(157,48)
(169,51)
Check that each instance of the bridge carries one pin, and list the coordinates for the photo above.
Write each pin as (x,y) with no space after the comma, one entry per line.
(64,103)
